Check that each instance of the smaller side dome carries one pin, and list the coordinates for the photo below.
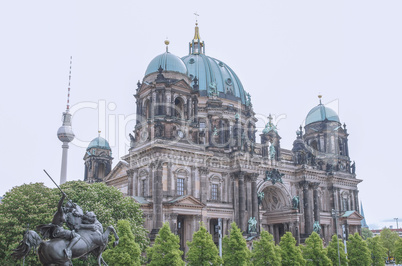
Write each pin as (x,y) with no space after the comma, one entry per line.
(169,62)
(99,143)
(321,113)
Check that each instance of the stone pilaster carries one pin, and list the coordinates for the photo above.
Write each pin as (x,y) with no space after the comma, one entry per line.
(242,201)
(192,181)
(130,189)
(308,210)
(316,201)
(254,199)
(356,199)
(158,195)
(203,182)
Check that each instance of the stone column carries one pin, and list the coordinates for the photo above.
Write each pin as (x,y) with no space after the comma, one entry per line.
(242,202)
(136,183)
(338,192)
(308,210)
(316,201)
(203,183)
(254,198)
(356,194)
(169,179)
(192,181)
(188,108)
(149,190)
(297,233)
(222,132)
(130,189)
(158,196)
(195,111)
(276,234)
(352,200)
(173,222)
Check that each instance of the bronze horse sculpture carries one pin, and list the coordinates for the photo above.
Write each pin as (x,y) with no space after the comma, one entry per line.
(86,237)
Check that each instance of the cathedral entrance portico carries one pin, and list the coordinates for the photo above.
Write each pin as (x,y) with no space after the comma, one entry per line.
(276,213)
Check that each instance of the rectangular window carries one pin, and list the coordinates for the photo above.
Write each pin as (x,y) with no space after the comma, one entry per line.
(180,186)
(214,192)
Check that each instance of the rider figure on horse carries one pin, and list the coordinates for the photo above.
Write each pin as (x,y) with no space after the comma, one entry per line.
(56,230)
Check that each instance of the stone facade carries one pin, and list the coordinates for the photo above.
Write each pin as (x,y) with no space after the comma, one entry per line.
(194,158)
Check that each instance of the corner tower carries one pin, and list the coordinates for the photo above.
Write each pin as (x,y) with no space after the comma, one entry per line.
(65,133)
(98,160)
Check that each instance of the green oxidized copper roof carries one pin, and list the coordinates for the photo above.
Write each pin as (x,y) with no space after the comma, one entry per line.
(99,143)
(169,62)
(321,113)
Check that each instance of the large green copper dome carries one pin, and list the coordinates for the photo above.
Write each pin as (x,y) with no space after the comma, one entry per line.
(212,73)
(321,113)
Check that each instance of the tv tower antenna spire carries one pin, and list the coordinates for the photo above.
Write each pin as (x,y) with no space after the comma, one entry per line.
(65,132)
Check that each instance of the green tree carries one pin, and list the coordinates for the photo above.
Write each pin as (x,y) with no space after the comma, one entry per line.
(314,252)
(332,251)
(264,252)
(166,249)
(127,252)
(398,251)
(358,251)
(202,250)
(234,248)
(366,233)
(378,252)
(388,239)
(31,204)
(290,253)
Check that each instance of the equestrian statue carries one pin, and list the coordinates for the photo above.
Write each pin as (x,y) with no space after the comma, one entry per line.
(84,237)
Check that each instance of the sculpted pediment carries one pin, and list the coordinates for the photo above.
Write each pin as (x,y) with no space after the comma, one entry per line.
(187,200)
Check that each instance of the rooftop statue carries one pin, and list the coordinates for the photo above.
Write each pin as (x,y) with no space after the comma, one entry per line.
(85,236)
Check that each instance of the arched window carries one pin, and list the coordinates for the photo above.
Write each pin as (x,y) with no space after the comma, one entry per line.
(179,108)
(147,112)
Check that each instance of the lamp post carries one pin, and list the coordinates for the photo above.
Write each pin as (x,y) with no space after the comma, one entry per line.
(335,215)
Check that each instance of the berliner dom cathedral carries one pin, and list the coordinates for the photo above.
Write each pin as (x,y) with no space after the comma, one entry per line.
(195,156)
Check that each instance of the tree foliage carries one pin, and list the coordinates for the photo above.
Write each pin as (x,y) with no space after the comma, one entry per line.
(366,233)
(35,204)
(127,252)
(234,248)
(264,251)
(332,251)
(202,250)
(29,204)
(166,249)
(398,251)
(388,239)
(358,251)
(314,252)
(290,253)
(378,252)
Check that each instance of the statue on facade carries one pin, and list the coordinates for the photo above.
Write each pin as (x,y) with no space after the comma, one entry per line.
(213,90)
(252,225)
(295,202)
(272,151)
(260,196)
(248,99)
(85,236)
(353,167)
(317,227)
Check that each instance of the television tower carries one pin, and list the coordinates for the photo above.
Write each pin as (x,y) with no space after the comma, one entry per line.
(65,133)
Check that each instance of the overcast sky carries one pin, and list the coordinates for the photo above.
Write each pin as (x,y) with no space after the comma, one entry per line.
(284,52)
